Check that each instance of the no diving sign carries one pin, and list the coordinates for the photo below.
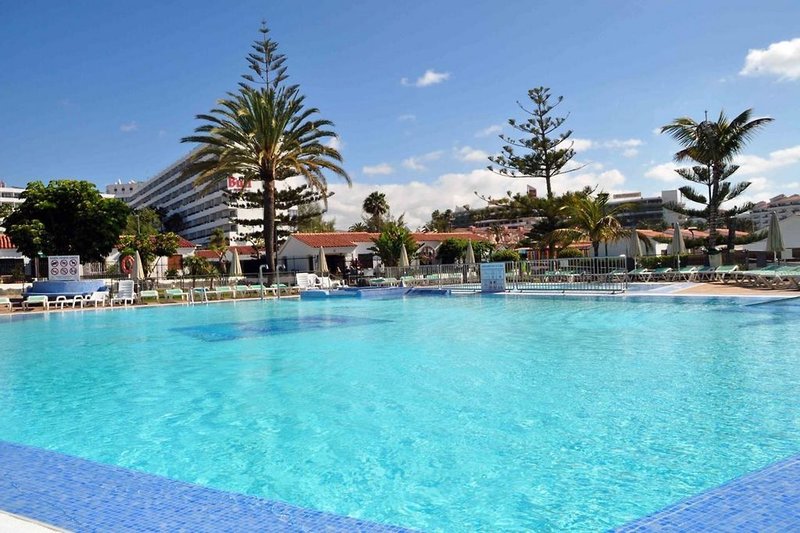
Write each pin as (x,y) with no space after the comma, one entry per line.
(64,267)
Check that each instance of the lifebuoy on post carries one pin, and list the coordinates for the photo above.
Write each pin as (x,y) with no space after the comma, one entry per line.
(126,264)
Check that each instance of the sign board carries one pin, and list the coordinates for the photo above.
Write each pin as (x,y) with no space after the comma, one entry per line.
(493,277)
(239,184)
(64,267)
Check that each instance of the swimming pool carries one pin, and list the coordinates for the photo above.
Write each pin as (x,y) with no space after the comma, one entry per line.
(436,413)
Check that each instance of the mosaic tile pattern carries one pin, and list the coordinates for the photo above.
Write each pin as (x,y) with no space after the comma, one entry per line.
(767,500)
(80,495)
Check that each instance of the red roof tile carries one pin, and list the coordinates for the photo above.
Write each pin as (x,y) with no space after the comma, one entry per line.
(5,242)
(339,239)
(347,239)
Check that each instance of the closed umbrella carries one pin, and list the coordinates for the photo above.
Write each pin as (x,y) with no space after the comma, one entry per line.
(236,265)
(677,246)
(635,246)
(403,261)
(323,263)
(774,237)
(137,273)
(470,256)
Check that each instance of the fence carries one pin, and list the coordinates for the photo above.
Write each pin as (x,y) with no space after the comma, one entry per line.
(582,274)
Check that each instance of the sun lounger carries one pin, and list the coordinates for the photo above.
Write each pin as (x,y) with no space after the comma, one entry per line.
(5,301)
(61,301)
(220,292)
(125,293)
(244,290)
(36,300)
(97,297)
(724,273)
(686,273)
(639,274)
(705,273)
(148,294)
(171,294)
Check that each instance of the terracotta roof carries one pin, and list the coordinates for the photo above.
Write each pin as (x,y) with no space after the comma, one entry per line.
(349,239)
(339,239)
(245,252)
(5,242)
(207,254)
(432,236)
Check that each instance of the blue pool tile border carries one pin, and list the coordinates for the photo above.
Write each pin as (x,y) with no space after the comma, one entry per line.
(766,500)
(83,496)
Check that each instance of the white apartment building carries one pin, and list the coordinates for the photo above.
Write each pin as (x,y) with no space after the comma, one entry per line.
(123,191)
(9,195)
(645,209)
(201,213)
(782,205)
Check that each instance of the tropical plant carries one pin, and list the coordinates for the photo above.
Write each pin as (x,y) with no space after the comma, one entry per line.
(543,156)
(264,132)
(505,255)
(66,217)
(219,244)
(375,206)
(569,252)
(441,221)
(197,266)
(451,250)
(591,218)
(309,219)
(713,146)
(359,226)
(150,246)
(389,243)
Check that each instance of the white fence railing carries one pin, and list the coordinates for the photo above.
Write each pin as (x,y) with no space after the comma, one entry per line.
(583,274)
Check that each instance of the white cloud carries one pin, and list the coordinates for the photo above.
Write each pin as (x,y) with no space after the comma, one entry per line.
(417,199)
(430,77)
(581,145)
(753,164)
(780,59)
(128,126)
(491,130)
(657,131)
(467,153)
(627,146)
(627,143)
(407,117)
(335,143)
(380,169)
(417,162)
(663,172)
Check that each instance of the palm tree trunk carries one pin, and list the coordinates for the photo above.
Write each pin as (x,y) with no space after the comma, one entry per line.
(269,221)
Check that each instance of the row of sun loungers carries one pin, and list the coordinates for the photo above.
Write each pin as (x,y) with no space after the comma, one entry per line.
(771,277)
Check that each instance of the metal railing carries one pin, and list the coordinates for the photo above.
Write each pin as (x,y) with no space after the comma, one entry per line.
(583,274)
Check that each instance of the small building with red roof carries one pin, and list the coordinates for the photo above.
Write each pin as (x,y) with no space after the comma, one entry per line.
(345,248)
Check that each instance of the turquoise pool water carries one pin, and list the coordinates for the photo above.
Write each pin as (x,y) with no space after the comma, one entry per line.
(442,414)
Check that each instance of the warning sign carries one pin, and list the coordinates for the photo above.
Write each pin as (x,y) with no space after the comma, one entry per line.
(64,267)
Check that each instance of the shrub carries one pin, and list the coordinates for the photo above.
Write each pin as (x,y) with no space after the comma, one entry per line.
(569,252)
(505,255)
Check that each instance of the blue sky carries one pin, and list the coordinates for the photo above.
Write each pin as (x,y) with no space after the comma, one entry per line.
(104,90)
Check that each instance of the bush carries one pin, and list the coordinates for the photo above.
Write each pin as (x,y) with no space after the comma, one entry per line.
(505,255)
(569,252)
(171,273)
(661,261)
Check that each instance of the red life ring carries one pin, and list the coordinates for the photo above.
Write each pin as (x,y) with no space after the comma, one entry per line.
(126,265)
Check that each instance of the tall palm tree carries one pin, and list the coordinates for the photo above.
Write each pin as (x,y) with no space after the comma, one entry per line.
(264,132)
(375,205)
(714,145)
(591,218)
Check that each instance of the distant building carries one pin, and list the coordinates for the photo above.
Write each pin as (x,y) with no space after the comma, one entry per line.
(123,191)
(9,195)
(200,213)
(647,210)
(491,216)
(782,205)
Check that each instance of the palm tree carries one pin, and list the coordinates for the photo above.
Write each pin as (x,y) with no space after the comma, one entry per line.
(591,218)
(375,206)
(264,133)
(713,145)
